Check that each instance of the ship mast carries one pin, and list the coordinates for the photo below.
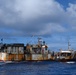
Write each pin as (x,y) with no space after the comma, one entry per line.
(39,41)
(69,45)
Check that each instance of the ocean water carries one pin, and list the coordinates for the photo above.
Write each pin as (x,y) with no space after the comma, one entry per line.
(38,68)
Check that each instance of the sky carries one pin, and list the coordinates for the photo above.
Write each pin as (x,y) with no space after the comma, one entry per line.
(23,21)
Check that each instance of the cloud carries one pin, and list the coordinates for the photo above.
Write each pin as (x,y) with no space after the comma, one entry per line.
(39,17)
(71,11)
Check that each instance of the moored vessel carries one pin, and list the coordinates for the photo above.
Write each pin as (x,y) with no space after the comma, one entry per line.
(66,55)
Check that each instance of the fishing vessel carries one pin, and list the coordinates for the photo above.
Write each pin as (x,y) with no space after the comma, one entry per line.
(17,52)
(37,52)
(66,55)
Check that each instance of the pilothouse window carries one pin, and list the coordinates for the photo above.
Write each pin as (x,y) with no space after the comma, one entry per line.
(65,54)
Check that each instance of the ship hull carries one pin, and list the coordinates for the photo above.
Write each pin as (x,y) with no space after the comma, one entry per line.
(2,62)
(66,60)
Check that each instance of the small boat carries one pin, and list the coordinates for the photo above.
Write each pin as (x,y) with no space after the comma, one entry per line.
(65,56)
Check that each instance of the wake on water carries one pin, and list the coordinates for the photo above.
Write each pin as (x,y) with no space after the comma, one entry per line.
(71,62)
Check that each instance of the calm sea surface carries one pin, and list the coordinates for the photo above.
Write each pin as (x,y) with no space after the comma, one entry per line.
(38,68)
